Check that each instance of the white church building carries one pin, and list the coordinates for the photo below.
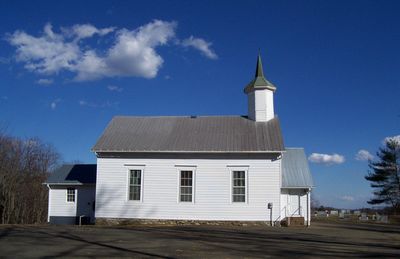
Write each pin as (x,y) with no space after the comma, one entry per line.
(189,168)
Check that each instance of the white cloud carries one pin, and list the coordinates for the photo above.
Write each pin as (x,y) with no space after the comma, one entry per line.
(53,104)
(106,104)
(347,198)
(47,54)
(44,81)
(200,44)
(326,159)
(114,88)
(82,31)
(394,138)
(363,155)
(131,54)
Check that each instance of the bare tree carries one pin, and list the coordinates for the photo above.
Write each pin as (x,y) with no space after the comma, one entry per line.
(24,166)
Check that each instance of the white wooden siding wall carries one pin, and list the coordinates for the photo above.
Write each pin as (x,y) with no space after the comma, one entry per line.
(212,190)
(59,206)
(261,105)
(58,202)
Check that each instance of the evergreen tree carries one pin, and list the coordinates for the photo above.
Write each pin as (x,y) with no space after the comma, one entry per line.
(385,175)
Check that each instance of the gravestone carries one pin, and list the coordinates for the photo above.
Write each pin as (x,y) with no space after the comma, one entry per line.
(382,219)
(363,217)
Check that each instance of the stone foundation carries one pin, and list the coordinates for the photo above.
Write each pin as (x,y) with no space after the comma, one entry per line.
(125,222)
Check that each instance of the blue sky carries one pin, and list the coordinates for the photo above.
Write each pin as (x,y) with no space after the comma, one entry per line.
(68,67)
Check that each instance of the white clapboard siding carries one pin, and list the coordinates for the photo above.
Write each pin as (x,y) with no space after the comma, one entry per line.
(212,190)
(58,202)
(83,205)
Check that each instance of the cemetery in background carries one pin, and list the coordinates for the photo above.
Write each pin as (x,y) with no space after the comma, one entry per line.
(366,215)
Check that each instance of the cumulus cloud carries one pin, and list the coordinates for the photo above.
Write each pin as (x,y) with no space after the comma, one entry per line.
(132,53)
(201,45)
(82,31)
(114,88)
(44,81)
(47,54)
(326,159)
(347,198)
(363,155)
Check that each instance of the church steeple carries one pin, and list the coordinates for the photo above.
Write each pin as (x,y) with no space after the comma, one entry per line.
(259,81)
(260,94)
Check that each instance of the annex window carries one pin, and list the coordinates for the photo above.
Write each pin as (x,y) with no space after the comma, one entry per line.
(186,186)
(70,195)
(135,185)
(238,186)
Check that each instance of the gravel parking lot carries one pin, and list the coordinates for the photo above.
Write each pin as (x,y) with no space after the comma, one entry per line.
(320,240)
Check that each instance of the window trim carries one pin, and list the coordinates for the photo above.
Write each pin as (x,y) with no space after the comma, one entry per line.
(246,177)
(186,168)
(129,169)
(66,198)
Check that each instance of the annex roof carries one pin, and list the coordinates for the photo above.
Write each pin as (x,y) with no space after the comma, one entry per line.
(295,170)
(74,174)
(189,134)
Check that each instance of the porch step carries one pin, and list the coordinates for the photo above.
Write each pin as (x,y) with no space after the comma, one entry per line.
(293,222)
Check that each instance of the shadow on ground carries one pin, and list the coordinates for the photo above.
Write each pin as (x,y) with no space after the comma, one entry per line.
(322,239)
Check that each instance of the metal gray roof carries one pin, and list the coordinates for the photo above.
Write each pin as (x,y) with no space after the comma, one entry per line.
(295,170)
(190,134)
(74,174)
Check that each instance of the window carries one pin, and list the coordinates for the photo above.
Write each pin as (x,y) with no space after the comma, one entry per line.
(135,185)
(238,186)
(186,186)
(70,195)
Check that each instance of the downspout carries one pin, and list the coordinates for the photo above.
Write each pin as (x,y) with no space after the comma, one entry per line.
(308,208)
(49,206)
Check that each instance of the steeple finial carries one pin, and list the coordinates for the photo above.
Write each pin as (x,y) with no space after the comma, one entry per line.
(259,68)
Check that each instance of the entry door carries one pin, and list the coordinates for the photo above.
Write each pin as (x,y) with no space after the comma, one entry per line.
(294,203)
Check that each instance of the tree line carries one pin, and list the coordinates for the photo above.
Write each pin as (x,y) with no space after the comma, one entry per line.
(24,167)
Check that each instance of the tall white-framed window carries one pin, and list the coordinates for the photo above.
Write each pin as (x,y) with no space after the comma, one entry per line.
(135,184)
(239,184)
(186,184)
(71,195)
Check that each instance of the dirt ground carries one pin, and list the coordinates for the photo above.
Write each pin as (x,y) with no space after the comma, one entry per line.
(320,240)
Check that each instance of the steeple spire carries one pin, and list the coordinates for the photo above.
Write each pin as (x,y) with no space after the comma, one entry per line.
(259,68)
(259,81)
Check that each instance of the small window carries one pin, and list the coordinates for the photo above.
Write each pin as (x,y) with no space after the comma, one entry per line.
(135,185)
(70,195)
(186,186)
(238,186)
